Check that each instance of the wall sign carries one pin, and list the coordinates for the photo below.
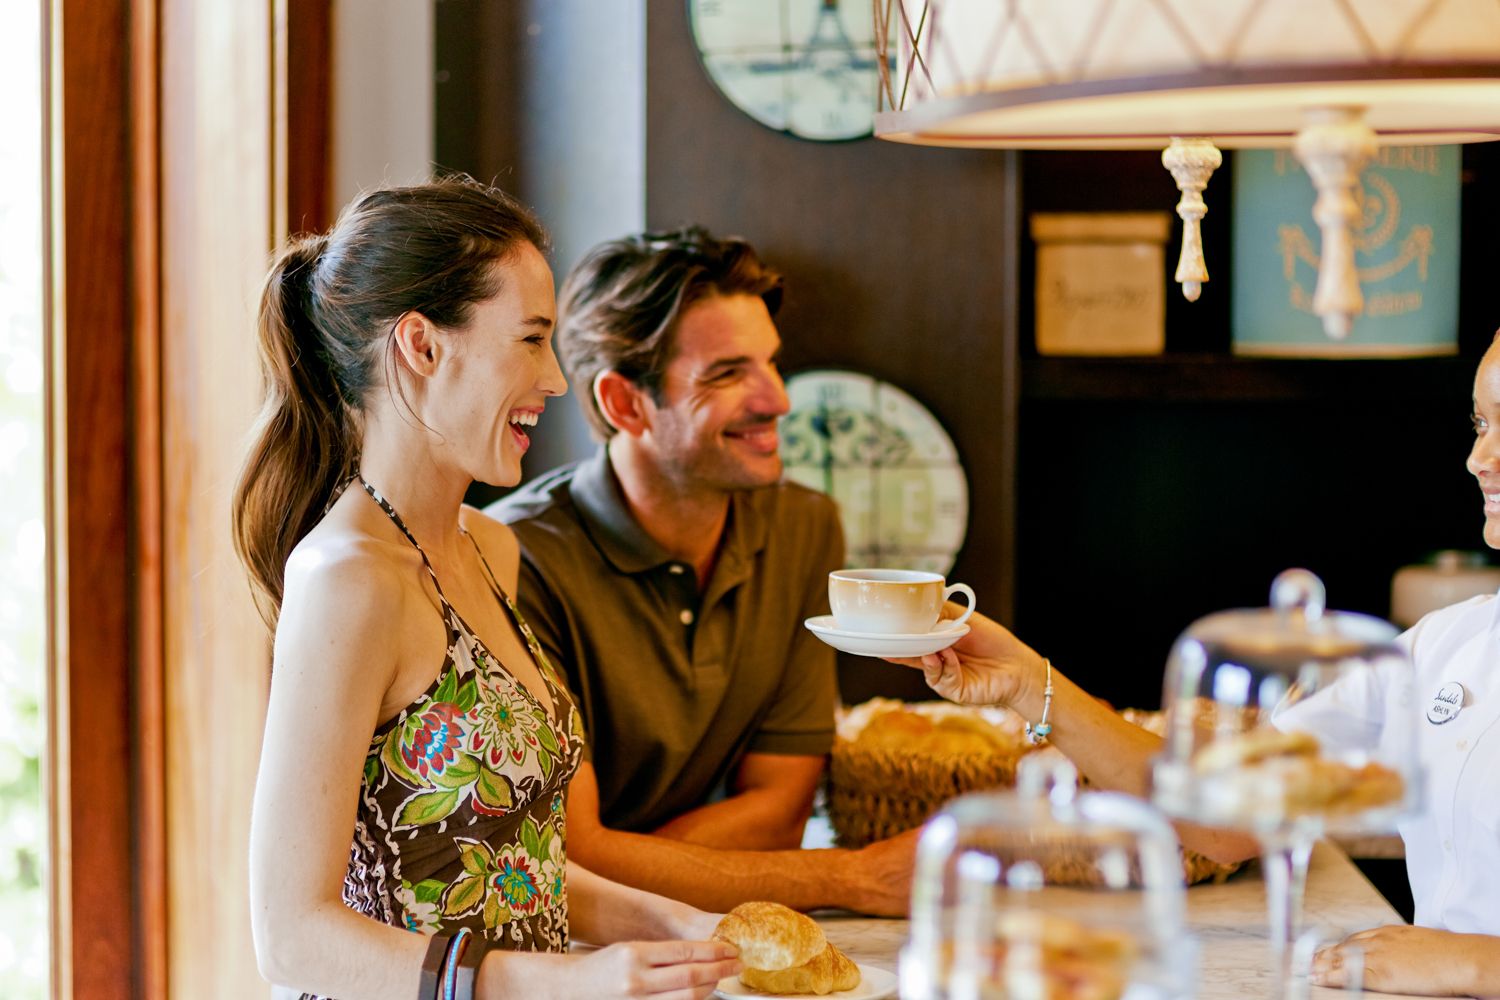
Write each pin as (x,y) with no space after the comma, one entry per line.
(1406,252)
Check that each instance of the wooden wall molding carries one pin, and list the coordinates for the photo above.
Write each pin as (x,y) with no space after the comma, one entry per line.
(218,227)
(149,883)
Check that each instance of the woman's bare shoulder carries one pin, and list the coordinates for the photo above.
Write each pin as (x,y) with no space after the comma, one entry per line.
(498,543)
(343,567)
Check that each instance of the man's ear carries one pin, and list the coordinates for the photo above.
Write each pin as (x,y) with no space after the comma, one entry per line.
(416,343)
(624,404)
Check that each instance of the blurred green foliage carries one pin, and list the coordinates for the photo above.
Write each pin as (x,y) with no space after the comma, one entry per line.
(24,938)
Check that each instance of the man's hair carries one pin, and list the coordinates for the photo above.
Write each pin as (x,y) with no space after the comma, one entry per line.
(618,309)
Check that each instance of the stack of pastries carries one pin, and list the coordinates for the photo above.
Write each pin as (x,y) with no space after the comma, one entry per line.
(784,952)
(1301,779)
(1076,962)
(1039,956)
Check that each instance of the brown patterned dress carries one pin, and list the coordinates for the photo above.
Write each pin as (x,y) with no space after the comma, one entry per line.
(460,820)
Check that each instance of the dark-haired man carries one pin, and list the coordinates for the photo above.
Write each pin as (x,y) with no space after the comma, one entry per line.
(668,577)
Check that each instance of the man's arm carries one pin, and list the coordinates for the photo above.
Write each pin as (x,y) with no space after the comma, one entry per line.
(772,798)
(874,879)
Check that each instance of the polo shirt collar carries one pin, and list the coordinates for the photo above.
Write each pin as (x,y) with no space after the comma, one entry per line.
(615,530)
(623,541)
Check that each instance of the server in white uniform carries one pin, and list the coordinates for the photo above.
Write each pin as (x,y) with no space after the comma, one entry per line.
(1452,846)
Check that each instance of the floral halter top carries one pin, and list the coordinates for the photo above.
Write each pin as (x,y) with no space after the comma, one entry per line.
(460,820)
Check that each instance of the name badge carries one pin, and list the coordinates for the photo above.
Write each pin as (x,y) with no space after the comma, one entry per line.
(1446,704)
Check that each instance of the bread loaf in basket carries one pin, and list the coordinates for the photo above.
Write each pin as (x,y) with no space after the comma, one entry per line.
(896,763)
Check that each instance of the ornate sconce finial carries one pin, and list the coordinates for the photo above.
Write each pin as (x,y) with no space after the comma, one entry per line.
(1192,161)
(1334,146)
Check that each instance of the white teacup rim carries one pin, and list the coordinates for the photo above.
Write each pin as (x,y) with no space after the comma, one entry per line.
(876,575)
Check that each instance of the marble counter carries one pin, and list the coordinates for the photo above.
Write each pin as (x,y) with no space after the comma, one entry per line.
(1229,921)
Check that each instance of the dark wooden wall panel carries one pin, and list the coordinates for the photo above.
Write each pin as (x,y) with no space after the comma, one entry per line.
(309,87)
(475,74)
(897,260)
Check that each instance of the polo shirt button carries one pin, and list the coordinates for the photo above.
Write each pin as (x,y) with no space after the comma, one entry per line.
(1463,744)
(1447,845)
(686,617)
(675,569)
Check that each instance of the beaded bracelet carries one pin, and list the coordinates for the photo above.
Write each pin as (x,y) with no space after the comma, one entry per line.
(1037,735)
(448,983)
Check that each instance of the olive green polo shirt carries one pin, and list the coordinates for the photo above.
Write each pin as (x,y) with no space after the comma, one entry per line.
(677,685)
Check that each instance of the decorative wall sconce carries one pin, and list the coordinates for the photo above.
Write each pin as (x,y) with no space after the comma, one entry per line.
(1332,79)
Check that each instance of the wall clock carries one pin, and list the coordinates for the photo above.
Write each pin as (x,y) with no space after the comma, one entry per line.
(805,67)
(886,460)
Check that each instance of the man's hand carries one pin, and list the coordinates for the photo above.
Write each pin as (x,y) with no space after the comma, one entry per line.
(1414,960)
(881,873)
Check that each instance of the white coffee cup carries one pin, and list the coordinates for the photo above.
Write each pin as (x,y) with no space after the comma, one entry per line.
(892,601)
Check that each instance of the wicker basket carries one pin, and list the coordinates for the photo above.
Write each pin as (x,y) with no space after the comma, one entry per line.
(876,792)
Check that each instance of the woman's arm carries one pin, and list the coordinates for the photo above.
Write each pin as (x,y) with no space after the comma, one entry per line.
(990,666)
(603,912)
(1416,960)
(335,658)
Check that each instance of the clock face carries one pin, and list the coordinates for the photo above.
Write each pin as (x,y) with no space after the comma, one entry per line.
(887,461)
(807,67)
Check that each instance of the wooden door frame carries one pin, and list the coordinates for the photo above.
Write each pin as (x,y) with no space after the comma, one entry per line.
(106,774)
(91,497)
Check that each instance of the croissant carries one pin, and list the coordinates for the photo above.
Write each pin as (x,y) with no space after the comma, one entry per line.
(784,952)
(830,971)
(771,937)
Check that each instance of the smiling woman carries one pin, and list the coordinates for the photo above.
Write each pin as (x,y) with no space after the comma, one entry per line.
(419,745)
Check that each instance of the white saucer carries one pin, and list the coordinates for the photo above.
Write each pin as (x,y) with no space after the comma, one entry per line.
(873,984)
(881,644)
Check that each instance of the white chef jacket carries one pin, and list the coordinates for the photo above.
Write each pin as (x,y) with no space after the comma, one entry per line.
(1453,843)
(1453,839)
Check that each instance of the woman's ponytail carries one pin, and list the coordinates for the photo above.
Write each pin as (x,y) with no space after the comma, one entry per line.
(304,441)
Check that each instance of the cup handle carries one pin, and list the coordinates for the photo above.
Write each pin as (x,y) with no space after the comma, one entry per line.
(959,588)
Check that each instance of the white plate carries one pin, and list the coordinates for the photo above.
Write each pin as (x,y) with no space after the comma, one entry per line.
(873,984)
(879,644)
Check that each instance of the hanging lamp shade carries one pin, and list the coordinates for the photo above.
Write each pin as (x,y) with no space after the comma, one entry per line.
(1333,79)
(1131,74)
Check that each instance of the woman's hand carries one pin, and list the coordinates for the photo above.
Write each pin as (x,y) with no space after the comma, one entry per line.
(693,924)
(1416,960)
(670,970)
(989,666)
